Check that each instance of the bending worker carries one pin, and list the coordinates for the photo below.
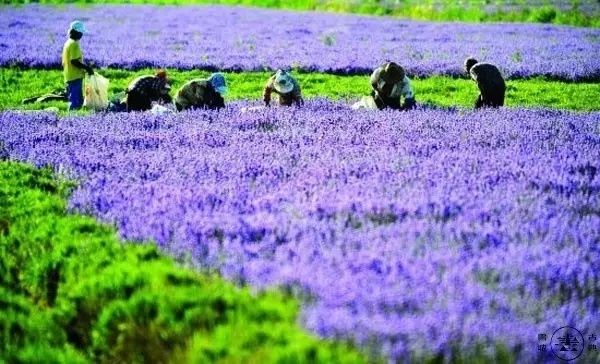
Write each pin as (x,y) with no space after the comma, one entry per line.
(489,81)
(389,84)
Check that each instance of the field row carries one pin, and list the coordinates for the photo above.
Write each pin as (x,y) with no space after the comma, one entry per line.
(439,91)
(412,233)
(578,12)
(250,39)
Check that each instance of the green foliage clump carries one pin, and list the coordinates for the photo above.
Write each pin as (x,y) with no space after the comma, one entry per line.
(72,292)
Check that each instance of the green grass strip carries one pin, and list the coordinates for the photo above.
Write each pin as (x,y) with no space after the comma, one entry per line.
(443,91)
(437,10)
(71,292)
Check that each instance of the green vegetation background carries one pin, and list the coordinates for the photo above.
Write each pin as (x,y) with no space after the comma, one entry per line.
(71,292)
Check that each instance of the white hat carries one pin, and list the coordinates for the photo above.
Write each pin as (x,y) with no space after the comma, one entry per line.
(283,82)
(77,26)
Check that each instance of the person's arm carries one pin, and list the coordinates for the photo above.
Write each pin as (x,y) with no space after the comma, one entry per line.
(77,63)
(375,79)
(218,102)
(381,101)
(297,95)
(407,92)
(211,98)
(268,89)
(166,99)
(389,96)
(378,101)
(478,102)
(393,102)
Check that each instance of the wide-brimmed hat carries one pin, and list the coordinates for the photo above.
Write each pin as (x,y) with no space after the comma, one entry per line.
(283,82)
(392,73)
(77,26)
(217,81)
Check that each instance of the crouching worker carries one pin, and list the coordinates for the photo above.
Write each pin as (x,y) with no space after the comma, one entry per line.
(202,93)
(286,87)
(73,67)
(144,90)
(389,83)
(489,81)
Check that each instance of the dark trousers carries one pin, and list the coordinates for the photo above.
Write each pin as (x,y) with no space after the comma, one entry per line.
(138,102)
(75,94)
(491,98)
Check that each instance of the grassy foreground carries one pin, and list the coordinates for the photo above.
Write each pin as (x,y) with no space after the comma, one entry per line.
(71,292)
(438,10)
(443,91)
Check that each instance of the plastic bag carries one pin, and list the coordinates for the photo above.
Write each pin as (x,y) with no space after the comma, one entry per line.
(158,109)
(366,102)
(96,92)
(252,109)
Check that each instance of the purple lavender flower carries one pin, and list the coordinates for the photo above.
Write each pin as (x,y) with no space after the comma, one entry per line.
(247,39)
(413,233)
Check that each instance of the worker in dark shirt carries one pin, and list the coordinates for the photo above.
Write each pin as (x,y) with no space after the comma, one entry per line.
(202,93)
(389,84)
(490,82)
(143,90)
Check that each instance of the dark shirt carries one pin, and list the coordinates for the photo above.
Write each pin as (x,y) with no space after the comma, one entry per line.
(488,77)
(152,87)
(198,93)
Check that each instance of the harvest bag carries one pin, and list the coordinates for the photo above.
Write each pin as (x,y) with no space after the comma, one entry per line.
(96,92)
(366,102)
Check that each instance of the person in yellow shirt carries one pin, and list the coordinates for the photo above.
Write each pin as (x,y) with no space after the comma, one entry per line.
(73,67)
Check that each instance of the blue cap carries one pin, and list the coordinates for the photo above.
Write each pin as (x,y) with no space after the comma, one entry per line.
(77,26)
(217,81)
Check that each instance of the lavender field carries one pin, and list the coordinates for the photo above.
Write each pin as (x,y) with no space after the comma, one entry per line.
(412,233)
(245,39)
(438,233)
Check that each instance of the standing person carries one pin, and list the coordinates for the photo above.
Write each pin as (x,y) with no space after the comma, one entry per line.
(202,93)
(146,89)
(73,67)
(389,83)
(490,82)
(286,87)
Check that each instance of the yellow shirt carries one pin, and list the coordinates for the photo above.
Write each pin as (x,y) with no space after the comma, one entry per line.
(71,51)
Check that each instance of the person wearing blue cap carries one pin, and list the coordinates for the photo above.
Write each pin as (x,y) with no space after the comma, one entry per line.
(73,67)
(202,93)
(286,87)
